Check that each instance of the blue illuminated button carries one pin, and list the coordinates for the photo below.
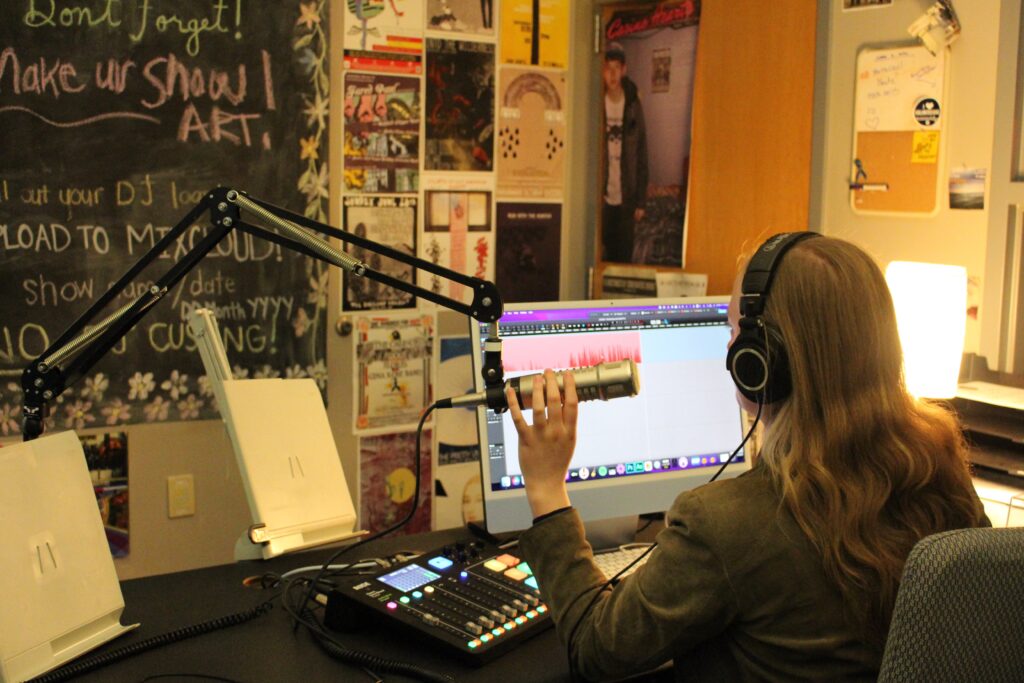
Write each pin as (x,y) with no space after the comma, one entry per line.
(439,562)
(531,582)
(417,595)
(464,575)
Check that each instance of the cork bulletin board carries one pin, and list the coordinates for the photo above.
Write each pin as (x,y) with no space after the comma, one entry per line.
(898,126)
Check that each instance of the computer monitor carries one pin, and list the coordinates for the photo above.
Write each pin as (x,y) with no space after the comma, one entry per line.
(633,455)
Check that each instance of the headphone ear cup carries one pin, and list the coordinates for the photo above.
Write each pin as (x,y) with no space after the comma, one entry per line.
(780,383)
(747,360)
(758,362)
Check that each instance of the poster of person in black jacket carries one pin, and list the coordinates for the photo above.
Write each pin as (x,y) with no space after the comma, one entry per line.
(647,72)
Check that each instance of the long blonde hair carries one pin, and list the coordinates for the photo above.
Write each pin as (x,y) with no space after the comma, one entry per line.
(864,468)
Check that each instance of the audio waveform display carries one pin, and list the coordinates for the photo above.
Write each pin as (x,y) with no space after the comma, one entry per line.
(535,353)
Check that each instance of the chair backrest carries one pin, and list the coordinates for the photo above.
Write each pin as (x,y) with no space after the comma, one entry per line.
(959,613)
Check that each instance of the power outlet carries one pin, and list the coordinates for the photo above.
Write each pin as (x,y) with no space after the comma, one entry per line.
(181,496)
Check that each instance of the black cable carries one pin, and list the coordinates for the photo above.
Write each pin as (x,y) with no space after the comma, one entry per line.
(208,677)
(84,666)
(398,525)
(590,605)
(334,648)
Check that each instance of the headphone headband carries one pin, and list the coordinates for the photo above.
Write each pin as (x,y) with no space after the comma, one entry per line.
(757,279)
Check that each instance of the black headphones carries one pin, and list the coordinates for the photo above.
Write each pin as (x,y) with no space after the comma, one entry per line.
(757,359)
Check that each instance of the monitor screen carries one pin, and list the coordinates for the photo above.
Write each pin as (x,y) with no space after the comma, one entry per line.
(633,455)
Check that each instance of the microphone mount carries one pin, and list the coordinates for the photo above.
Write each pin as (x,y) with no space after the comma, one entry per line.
(82,344)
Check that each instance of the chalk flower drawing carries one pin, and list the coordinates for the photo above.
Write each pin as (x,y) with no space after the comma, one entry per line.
(95,387)
(77,415)
(238,372)
(176,386)
(319,373)
(189,408)
(8,419)
(295,372)
(157,409)
(117,411)
(140,385)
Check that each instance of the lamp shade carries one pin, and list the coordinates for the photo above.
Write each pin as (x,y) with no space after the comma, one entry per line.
(931,313)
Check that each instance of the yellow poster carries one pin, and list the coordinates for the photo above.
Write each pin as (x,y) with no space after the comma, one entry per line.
(541,40)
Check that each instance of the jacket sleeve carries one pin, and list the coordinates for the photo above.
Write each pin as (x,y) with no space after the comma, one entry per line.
(679,598)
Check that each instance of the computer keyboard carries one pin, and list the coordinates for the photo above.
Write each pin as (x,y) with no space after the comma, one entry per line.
(612,561)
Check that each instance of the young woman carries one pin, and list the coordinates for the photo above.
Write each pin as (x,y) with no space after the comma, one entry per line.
(790,571)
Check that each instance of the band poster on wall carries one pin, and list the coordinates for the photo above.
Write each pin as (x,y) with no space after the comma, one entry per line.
(390,221)
(387,482)
(393,359)
(382,133)
(647,69)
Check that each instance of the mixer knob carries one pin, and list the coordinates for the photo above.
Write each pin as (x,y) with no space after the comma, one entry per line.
(531,599)
(474,628)
(509,610)
(486,621)
(431,619)
(520,605)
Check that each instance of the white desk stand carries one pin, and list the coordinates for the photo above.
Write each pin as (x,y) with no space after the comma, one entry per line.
(289,463)
(61,597)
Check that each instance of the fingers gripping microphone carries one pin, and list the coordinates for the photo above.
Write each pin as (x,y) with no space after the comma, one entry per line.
(604,381)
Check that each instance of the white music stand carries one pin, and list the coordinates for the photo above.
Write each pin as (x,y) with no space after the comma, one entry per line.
(61,597)
(286,454)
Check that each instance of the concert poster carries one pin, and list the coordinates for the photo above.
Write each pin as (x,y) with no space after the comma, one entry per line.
(535,32)
(390,221)
(648,56)
(384,35)
(457,233)
(382,133)
(529,251)
(473,19)
(531,133)
(393,360)
(387,482)
(106,456)
(458,495)
(460,106)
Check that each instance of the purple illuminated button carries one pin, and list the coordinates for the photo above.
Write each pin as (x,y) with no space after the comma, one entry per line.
(392,604)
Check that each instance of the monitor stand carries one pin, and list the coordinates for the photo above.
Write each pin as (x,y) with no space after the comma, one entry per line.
(607,534)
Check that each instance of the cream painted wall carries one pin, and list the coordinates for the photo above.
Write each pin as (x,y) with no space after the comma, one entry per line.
(950,236)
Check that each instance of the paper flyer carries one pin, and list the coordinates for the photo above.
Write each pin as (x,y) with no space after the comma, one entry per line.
(384,35)
(535,32)
(673,284)
(457,233)
(389,221)
(387,482)
(529,251)
(382,133)
(456,429)
(473,19)
(531,133)
(460,106)
(458,496)
(393,359)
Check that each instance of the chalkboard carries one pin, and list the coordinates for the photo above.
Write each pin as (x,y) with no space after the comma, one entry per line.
(115,118)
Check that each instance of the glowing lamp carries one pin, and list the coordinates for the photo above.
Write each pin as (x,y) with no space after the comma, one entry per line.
(931,313)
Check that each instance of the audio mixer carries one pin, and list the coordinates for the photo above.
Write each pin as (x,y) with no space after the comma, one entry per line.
(473,597)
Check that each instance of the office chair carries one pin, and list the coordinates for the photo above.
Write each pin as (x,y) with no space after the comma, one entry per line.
(959,610)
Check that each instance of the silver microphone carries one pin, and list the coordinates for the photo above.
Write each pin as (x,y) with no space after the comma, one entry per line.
(603,381)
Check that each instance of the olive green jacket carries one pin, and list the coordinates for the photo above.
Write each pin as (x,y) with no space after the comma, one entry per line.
(733,592)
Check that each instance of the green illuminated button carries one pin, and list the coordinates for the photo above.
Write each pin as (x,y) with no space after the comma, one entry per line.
(525,568)
(404,599)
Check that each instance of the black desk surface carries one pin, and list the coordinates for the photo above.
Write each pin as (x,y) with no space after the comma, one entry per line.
(266,649)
